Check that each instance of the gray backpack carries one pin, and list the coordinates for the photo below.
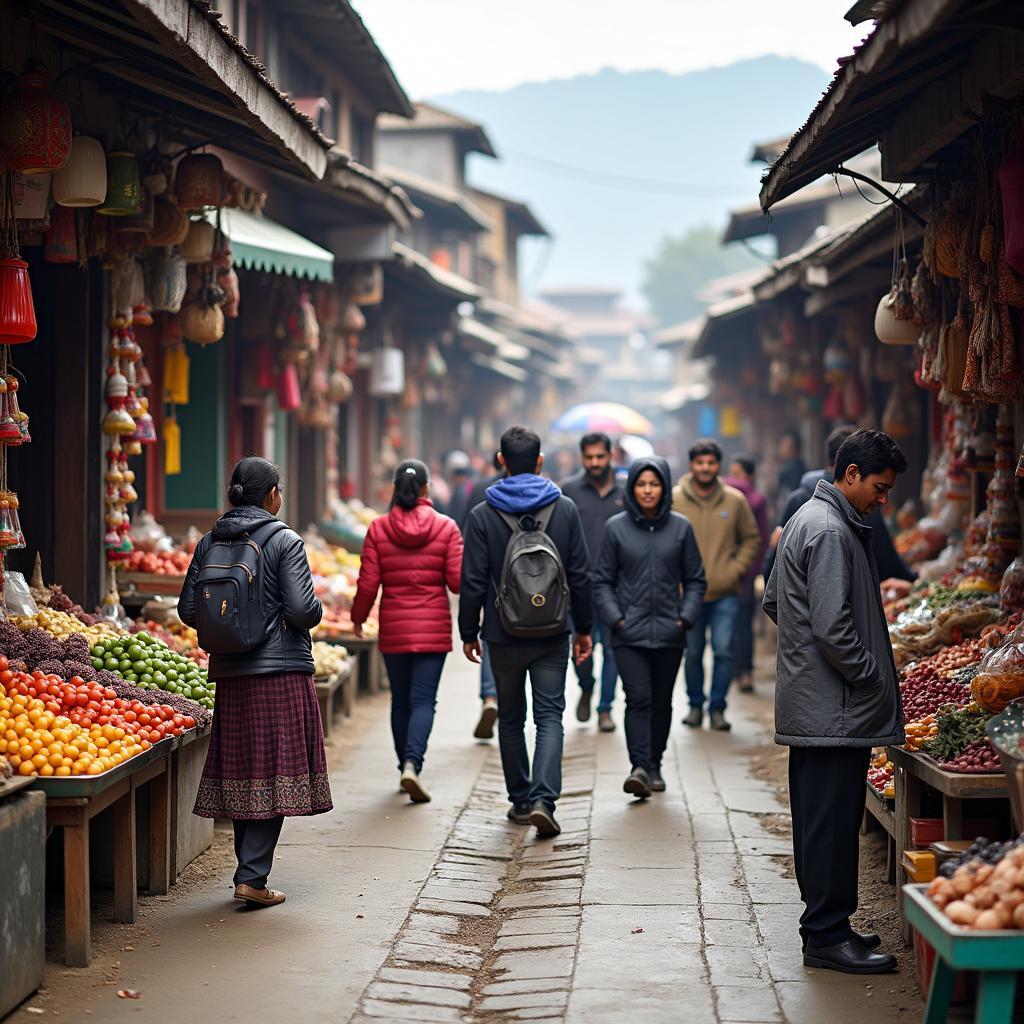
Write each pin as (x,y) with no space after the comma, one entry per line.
(533,596)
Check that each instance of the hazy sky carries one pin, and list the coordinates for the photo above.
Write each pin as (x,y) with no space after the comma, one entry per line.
(440,46)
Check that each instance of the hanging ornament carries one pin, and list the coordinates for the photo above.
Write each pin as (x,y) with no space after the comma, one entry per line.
(61,245)
(198,244)
(35,124)
(167,280)
(198,181)
(124,190)
(82,181)
(170,224)
(17,310)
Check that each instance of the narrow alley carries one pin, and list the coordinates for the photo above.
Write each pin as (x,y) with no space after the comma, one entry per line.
(678,908)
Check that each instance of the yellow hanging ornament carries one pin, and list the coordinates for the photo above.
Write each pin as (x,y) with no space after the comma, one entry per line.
(172,447)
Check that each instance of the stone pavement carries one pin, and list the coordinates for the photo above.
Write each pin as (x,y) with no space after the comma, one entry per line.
(673,909)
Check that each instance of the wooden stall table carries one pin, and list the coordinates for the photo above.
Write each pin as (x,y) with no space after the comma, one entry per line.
(371,662)
(997,956)
(879,810)
(334,693)
(72,803)
(915,771)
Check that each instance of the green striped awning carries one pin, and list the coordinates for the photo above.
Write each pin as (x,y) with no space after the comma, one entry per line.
(259,243)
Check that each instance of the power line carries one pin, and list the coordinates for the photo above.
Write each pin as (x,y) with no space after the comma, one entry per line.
(627,182)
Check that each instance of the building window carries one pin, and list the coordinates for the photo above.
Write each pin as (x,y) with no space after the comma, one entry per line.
(362,138)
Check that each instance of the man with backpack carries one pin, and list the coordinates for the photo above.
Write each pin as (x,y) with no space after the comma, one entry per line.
(526,566)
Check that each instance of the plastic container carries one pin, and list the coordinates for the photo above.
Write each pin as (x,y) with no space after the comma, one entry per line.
(925,831)
(919,865)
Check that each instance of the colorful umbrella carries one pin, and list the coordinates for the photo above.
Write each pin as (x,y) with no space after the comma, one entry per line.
(608,417)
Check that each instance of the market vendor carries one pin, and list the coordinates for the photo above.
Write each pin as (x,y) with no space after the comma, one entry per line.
(837,693)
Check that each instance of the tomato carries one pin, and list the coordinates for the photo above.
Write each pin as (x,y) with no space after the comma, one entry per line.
(130,716)
(6,675)
(103,720)
(3,664)
(154,736)
(82,700)
(188,721)
(76,681)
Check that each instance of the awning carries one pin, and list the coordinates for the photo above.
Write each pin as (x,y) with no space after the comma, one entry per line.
(499,367)
(452,286)
(719,315)
(495,340)
(259,243)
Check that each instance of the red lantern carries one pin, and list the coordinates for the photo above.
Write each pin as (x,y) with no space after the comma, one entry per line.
(289,397)
(62,238)
(35,124)
(17,312)
(266,368)
(199,181)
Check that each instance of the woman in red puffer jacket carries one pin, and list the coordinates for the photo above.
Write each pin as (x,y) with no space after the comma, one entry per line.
(415,554)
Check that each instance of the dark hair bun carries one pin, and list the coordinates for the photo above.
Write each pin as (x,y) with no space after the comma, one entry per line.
(411,477)
(236,494)
(252,480)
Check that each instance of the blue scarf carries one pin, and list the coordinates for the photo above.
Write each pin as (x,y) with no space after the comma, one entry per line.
(523,493)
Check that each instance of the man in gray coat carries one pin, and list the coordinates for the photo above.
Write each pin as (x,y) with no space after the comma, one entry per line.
(836,692)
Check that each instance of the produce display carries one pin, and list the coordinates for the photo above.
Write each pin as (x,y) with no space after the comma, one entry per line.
(920,732)
(329,659)
(335,574)
(960,743)
(922,631)
(61,624)
(179,637)
(881,775)
(1000,676)
(55,727)
(159,563)
(984,890)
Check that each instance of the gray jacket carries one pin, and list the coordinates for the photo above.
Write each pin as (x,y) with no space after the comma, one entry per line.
(836,680)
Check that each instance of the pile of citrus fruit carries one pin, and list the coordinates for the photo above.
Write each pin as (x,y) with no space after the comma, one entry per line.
(55,727)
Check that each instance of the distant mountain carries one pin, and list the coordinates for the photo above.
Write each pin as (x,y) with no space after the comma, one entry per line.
(574,149)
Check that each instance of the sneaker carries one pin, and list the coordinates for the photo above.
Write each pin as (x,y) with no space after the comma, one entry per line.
(544,821)
(410,782)
(583,707)
(657,781)
(488,716)
(746,685)
(604,722)
(695,718)
(638,784)
(718,721)
(519,813)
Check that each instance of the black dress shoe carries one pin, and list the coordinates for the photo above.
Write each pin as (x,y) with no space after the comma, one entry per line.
(638,784)
(869,940)
(519,813)
(657,782)
(849,957)
(544,821)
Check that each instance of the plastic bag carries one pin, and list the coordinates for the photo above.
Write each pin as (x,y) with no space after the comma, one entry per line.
(1000,677)
(18,598)
(1011,589)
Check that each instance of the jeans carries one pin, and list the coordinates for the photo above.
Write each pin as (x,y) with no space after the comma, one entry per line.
(255,842)
(720,616)
(743,641)
(826,795)
(609,670)
(414,680)
(488,688)
(648,678)
(546,665)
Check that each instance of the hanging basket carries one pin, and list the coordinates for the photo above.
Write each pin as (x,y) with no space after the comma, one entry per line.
(167,281)
(202,324)
(891,331)
(82,181)
(170,225)
(124,190)
(198,181)
(35,124)
(198,244)
(17,311)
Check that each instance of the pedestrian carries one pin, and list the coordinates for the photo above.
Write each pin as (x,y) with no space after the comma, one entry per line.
(893,571)
(526,619)
(598,497)
(648,587)
(728,539)
(415,555)
(266,760)
(791,466)
(742,476)
(488,688)
(837,692)
(458,468)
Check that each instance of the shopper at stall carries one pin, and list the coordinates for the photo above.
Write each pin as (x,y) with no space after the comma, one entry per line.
(742,476)
(597,495)
(837,694)
(791,465)
(530,638)
(728,540)
(266,760)
(648,588)
(413,554)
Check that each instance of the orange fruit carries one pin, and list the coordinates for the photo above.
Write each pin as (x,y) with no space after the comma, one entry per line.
(46,770)
(39,760)
(95,768)
(56,759)
(26,768)
(62,771)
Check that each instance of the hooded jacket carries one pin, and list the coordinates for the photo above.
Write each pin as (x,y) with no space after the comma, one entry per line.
(649,580)
(836,683)
(726,530)
(291,608)
(487,536)
(416,556)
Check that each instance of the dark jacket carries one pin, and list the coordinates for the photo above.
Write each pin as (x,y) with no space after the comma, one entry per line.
(478,496)
(642,565)
(486,537)
(290,606)
(595,509)
(887,558)
(836,682)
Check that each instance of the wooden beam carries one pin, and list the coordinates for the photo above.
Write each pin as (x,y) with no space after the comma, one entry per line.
(948,108)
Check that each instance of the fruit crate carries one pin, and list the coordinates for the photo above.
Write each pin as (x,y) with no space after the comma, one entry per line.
(91,785)
(143,584)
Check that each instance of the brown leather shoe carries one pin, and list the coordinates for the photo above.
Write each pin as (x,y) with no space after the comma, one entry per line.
(261,897)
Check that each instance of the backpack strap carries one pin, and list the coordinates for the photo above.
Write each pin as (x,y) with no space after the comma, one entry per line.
(541,518)
(266,531)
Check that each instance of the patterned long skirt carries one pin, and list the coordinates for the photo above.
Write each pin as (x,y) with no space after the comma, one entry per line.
(266,755)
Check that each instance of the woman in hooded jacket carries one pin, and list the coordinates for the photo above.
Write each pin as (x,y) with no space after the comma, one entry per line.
(415,554)
(648,588)
(266,759)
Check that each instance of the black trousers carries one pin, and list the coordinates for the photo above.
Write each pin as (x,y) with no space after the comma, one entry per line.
(255,842)
(826,794)
(648,677)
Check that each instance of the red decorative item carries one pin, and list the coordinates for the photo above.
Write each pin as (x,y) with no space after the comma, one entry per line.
(288,396)
(266,370)
(198,181)
(35,124)
(62,238)
(17,312)
(1011,185)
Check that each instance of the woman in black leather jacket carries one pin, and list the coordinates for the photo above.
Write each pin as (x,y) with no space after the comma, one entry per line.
(648,588)
(266,760)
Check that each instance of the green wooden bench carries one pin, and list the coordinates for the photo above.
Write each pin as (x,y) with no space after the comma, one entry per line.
(998,957)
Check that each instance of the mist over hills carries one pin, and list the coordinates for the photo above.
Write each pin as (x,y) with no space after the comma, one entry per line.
(614,161)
